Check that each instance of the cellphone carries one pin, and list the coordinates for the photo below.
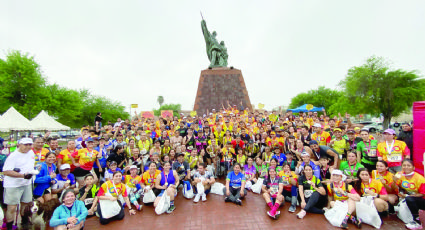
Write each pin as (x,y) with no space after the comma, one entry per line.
(17,170)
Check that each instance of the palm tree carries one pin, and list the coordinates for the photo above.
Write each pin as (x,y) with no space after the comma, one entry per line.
(160,100)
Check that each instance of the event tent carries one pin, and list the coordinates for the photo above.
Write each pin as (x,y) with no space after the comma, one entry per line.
(303,108)
(12,120)
(45,122)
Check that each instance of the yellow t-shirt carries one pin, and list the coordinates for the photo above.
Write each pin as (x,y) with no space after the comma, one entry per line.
(338,192)
(131,182)
(149,179)
(323,139)
(416,184)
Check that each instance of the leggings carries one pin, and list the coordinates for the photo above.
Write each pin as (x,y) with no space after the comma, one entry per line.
(234,193)
(104,221)
(414,204)
(315,203)
(293,193)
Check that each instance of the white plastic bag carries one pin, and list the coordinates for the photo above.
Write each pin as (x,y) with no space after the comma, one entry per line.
(149,197)
(336,215)
(248,185)
(404,213)
(256,188)
(367,212)
(2,215)
(217,188)
(163,204)
(109,208)
(200,188)
(187,190)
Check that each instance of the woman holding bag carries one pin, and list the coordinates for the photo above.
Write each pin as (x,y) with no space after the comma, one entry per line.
(110,191)
(167,181)
(365,186)
(412,187)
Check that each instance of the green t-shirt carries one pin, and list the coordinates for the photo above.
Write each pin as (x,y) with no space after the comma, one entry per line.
(13,145)
(368,151)
(350,171)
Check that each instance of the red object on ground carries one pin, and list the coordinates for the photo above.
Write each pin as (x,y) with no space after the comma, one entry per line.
(418,135)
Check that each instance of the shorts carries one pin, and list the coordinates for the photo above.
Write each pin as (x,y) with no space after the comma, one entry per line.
(79,172)
(13,196)
(46,191)
(156,191)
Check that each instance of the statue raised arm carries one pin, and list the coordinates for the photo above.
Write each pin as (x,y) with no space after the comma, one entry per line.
(217,52)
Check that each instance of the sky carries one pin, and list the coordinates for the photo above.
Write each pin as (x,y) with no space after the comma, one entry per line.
(134,51)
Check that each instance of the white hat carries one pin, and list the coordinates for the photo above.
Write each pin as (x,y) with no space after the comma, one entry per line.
(317,125)
(25,140)
(339,172)
(184,117)
(65,166)
(133,167)
(211,113)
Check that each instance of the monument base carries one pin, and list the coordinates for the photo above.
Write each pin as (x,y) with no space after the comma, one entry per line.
(217,86)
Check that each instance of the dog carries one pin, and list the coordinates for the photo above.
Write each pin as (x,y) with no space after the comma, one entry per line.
(39,214)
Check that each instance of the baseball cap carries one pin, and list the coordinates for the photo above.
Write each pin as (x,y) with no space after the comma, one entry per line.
(133,167)
(25,141)
(65,166)
(180,154)
(317,125)
(313,142)
(390,131)
(350,131)
(356,128)
(113,162)
(337,130)
(339,172)
(89,139)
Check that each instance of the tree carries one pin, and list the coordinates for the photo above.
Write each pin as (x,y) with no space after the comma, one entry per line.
(22,84)
(160,100)
(375,89)
(175,107)
(320,97)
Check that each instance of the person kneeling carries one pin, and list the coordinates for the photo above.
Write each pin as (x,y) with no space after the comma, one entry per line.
(272,189)
(206,179)
(71,214)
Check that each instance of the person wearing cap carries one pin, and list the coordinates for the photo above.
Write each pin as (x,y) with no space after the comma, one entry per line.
(133,185)
(64,180)
(306,160)
(182,167)
(340,144)
(39,151)
(339,190)
(322,137)
(353,140)
(253,150)
(86,158)
(323,150)
(367,151)
(392,151)
(17,181)
(112,168)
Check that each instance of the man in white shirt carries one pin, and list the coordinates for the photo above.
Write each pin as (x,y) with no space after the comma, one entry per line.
(206,179)
(17,181)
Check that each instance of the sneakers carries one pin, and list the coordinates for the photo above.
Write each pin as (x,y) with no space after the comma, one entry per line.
(357,222)
(197,197)
(414,225)
(204,197)
(272,216)
(139,207)
(344,224)
(227,199)
(301,214)
(293,208)
(171,209)
(238,202)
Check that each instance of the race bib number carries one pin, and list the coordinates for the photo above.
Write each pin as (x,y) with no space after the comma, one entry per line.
(88,201)
(372,153)
(308,193)
(1,176)
(395,158)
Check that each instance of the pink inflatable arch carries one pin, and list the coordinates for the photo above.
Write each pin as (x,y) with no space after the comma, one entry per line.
(419,135)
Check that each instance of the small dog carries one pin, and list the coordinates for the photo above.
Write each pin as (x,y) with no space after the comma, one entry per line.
(40,214)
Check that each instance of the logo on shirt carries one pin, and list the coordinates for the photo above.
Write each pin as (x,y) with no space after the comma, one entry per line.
(407,185)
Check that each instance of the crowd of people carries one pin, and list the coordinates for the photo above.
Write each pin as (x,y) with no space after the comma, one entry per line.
(308,160)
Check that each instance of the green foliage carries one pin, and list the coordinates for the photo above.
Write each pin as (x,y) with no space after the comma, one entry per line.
(375,89)
(320,97)
(175,107)
(160,100)
(25,88)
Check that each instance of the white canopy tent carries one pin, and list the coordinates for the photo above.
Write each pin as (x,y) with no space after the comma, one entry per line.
(12,120)
(45,122)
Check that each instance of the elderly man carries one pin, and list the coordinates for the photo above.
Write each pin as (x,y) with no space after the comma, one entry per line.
(17,181)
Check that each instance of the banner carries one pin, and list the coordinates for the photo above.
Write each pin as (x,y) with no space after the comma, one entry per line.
(193,114)
(166,113)
(147,114)
(134,106)
(260,106)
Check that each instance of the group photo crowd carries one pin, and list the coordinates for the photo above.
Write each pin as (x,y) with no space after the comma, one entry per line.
(316,163)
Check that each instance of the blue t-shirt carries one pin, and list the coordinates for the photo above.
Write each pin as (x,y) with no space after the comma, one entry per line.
(281,158)
(235,180)
(102,160)
(60,182)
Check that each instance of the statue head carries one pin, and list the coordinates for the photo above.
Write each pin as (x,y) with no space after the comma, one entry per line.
(222,43)
(214,34)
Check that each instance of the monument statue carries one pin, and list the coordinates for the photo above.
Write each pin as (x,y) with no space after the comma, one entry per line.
(217,52)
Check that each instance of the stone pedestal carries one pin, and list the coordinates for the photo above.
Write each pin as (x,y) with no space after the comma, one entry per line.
(219,85)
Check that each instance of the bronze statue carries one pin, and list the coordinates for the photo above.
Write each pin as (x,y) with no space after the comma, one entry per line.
(217,52)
